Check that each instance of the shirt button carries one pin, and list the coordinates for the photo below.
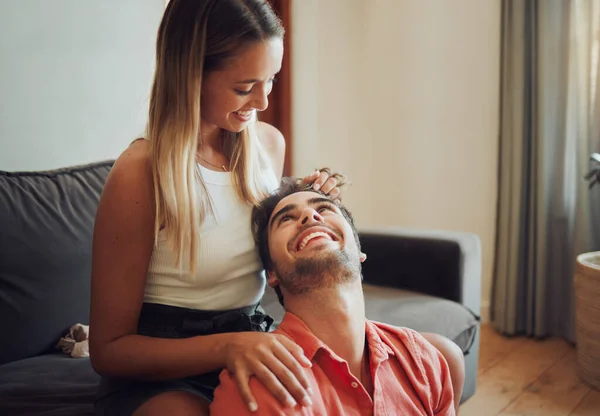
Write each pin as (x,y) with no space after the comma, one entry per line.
(354,385)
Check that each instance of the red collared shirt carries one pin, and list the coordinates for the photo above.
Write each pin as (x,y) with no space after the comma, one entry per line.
(410,377)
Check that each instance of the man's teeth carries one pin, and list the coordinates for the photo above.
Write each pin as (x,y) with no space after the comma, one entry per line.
(245,113)
(309,237)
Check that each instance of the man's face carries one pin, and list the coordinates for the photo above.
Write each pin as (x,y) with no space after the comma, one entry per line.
(311,244)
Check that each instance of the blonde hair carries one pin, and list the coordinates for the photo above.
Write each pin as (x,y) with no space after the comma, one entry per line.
(194,37)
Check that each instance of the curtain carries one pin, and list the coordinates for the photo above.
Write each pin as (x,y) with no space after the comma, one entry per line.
(549,124)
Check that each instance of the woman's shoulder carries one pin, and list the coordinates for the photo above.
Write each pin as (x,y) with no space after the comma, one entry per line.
(273,142)
(127,200)
(138,150)
(133,169)
(269,135)
(135,155)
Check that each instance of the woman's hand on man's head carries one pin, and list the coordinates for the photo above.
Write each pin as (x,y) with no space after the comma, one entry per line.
(325,181)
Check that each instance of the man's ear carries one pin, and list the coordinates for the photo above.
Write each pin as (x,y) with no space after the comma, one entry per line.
(362,257)
(272,279)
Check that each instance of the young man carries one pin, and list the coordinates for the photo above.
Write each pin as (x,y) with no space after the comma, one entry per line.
(311,252)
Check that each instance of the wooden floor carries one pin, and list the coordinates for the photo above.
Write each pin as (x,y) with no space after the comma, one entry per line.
(522,376)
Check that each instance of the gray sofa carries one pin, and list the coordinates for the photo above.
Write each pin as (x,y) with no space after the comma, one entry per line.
(429,281)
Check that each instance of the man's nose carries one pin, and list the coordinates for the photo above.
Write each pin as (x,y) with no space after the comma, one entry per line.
(310,215)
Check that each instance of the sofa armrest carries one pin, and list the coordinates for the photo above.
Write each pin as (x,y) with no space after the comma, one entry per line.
(446,264)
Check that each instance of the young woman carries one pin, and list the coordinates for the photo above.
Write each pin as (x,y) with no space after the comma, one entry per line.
(176,277)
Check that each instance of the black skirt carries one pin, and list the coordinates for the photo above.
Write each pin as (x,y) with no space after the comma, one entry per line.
(123,396)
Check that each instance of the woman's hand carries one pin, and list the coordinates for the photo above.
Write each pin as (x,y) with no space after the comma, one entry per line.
(330,184)
(275,360)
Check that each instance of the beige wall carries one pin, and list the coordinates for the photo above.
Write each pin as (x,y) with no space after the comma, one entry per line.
(403,96)
(74,79)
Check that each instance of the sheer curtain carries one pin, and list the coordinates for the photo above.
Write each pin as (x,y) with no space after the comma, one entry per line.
(549,125)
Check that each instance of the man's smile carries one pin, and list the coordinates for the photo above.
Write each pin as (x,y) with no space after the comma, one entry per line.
(312,235)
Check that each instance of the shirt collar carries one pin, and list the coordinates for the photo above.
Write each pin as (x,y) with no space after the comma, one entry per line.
(378,343)
(301,334)
(295,328)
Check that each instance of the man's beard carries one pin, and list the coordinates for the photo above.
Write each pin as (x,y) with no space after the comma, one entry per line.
(325,270)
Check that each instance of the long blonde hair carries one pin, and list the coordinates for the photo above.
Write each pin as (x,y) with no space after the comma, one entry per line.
(194,37)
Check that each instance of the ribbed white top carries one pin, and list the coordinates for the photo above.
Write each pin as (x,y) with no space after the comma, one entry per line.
(229,273)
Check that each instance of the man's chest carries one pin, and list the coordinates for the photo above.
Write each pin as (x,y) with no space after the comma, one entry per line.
(392,392)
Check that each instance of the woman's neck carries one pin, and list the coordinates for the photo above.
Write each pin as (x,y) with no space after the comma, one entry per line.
(210,136)
(210,147)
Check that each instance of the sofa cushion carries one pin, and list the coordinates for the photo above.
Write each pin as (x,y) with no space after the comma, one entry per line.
(51,384)
(46,226)
(423,313)
(413,310)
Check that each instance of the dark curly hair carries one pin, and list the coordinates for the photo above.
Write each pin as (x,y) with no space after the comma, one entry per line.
(261,214)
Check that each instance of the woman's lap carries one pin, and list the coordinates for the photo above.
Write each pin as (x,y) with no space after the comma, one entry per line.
(128,395)
(122,397)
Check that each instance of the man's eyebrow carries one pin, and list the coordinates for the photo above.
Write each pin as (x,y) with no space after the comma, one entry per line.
(282,211)
(290,207)
(320,199)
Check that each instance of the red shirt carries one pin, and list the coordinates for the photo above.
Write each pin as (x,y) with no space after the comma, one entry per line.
(410,377)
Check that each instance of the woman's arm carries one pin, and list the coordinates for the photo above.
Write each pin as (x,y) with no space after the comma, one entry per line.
(122,247)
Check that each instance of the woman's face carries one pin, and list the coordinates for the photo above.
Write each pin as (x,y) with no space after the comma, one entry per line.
(232,95)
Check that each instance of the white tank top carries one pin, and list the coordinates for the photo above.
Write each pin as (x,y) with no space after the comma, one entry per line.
(229,273)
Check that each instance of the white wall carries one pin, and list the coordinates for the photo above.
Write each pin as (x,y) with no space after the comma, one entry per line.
(403,96)
(74,79)
(400,94)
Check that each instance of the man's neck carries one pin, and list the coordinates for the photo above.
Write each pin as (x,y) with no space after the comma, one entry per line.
(337,317)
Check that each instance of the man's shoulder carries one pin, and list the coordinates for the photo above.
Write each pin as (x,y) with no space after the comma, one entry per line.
(395,333)
(402,339)
(422,363)
(228,399)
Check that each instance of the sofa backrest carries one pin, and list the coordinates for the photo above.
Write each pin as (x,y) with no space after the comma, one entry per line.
(46,227)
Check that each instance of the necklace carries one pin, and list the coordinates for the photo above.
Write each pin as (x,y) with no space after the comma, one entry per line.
(212,164)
